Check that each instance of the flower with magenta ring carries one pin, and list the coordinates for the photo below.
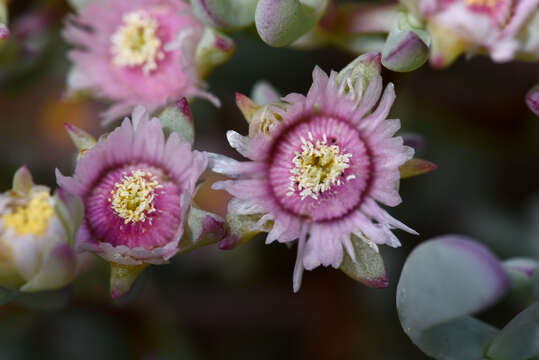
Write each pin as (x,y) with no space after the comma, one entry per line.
(321,171)
(136,189)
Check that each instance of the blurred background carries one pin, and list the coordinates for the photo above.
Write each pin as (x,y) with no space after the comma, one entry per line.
(212,304)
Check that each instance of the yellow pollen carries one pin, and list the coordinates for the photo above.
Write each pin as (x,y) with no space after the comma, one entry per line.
(317,168)
(32,218)
(486,3)
(136,43)
(132,198)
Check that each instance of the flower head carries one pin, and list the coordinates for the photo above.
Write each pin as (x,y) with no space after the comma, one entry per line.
(35,254)
(502,28)
(135,52)
(322,169)
(136,189)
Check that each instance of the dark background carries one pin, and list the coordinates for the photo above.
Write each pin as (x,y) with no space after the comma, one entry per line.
(239,304)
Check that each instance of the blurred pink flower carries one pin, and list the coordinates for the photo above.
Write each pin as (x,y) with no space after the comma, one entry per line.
(318,174)
(502,28)
(135,52)
(136,189)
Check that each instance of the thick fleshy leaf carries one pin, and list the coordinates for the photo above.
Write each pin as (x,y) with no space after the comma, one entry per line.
(225,14)
(444,279)
(264,93)
(122,278)
(240,229)
(521,272)
(404,51)
(414,167)
(178,118)
(518,340)
(214,49)
(281,22)
(368,267)
(532,99)
(407,46)
(203,228)
(81,139)
(22,181)
(465,338)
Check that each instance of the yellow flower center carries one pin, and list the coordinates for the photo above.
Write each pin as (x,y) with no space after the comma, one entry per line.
(136,43)
(485,3)
(132,198)
(317,168)
(32,218)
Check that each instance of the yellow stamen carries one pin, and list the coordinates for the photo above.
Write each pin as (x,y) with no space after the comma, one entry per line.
(132,198)
(32,218)
(136,43)
(317,168)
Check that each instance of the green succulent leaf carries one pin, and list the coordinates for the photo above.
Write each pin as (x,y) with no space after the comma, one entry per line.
(518,340)
(178,118)
(368,267)
(203,228)
(443,281)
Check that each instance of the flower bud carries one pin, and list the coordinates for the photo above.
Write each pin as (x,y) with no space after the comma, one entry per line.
(36,254)
(407,46)
(363,68)
(213,49)
(178,118)
(260,118)
(281,22)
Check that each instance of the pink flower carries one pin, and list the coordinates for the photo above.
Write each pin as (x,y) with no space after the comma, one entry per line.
(135,52)
(319,173)
(136,189)
(502,28)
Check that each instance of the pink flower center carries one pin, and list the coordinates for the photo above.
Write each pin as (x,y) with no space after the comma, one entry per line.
(137,206)
(133,197)
(320,168)
(317,167)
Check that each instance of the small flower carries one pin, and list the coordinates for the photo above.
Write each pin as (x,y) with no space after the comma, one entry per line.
(136,52)
(136,190)
(502,28)
(318,174)
(34,249)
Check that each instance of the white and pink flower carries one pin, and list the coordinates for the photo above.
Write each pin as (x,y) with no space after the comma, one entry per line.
(136,52)
(320,172)
(35,251)
(136,189)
